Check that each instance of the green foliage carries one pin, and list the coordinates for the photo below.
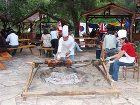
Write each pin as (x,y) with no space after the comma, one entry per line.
(69,10)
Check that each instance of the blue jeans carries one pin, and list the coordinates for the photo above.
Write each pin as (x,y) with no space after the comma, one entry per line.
(72,57)
(77,47)
(111,52)
(114,68)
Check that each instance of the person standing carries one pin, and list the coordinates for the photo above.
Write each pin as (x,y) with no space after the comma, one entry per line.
(66,45)
(54,41)
(125,57)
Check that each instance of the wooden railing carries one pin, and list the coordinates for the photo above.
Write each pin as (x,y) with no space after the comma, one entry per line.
(87,41)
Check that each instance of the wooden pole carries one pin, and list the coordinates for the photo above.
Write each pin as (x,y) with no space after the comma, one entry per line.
(73,93)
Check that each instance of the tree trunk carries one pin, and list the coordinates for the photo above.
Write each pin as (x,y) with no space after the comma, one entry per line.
(74,15)
(76,27)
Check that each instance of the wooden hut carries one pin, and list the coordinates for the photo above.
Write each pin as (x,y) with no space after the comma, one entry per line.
(112,11)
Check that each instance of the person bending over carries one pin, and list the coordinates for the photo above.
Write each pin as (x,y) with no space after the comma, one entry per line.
(66,45)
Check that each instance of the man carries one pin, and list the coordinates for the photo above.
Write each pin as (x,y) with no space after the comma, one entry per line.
(54,40)
(110,43)
(66,45)
(12,39)
(125,57)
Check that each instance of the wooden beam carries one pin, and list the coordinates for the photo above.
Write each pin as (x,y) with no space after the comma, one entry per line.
(108,16)
(5,55)
(2,66)
(73,93)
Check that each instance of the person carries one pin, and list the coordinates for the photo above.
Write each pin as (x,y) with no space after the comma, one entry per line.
(77,47)
(125,57)
(93,33)
(54,40)
(3,45)
(12,39)
(46,39)
(110,43)
(66,45)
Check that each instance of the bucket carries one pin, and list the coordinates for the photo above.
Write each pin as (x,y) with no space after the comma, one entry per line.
(98,53)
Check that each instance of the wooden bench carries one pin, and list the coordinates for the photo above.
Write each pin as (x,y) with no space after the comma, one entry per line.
(4,56)
(84,44)
(41,49)
(23,47)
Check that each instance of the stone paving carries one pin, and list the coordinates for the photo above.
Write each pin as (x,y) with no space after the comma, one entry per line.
(13,79)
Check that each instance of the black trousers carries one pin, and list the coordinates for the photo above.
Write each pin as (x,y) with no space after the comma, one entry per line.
(54,43)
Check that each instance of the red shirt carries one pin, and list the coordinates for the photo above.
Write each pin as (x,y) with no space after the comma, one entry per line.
(129,49)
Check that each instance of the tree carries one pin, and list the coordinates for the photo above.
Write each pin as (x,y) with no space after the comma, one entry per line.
(14,10)
(71,10)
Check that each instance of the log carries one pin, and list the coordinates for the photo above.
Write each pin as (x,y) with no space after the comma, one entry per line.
(2,66)
(5,56)
(73,93)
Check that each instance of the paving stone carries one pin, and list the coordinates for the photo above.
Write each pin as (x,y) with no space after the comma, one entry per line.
(6,97)
(10,92)
(9,102)
(13,80)
(119,100)
(133,101)
(46,101)
(28,101)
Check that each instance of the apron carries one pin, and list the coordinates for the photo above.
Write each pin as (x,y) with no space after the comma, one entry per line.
(127,59)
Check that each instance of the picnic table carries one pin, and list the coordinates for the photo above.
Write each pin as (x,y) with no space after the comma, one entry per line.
(23,44)
(87,41)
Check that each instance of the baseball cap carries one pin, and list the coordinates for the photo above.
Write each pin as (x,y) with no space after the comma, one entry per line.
(122,33)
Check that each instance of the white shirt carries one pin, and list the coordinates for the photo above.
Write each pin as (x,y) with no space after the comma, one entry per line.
(110,41)
(12,39)
(65,46)
(46,40)
(54,35)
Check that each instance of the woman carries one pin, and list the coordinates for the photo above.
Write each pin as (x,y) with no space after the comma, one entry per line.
(125,57)
(46,39)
